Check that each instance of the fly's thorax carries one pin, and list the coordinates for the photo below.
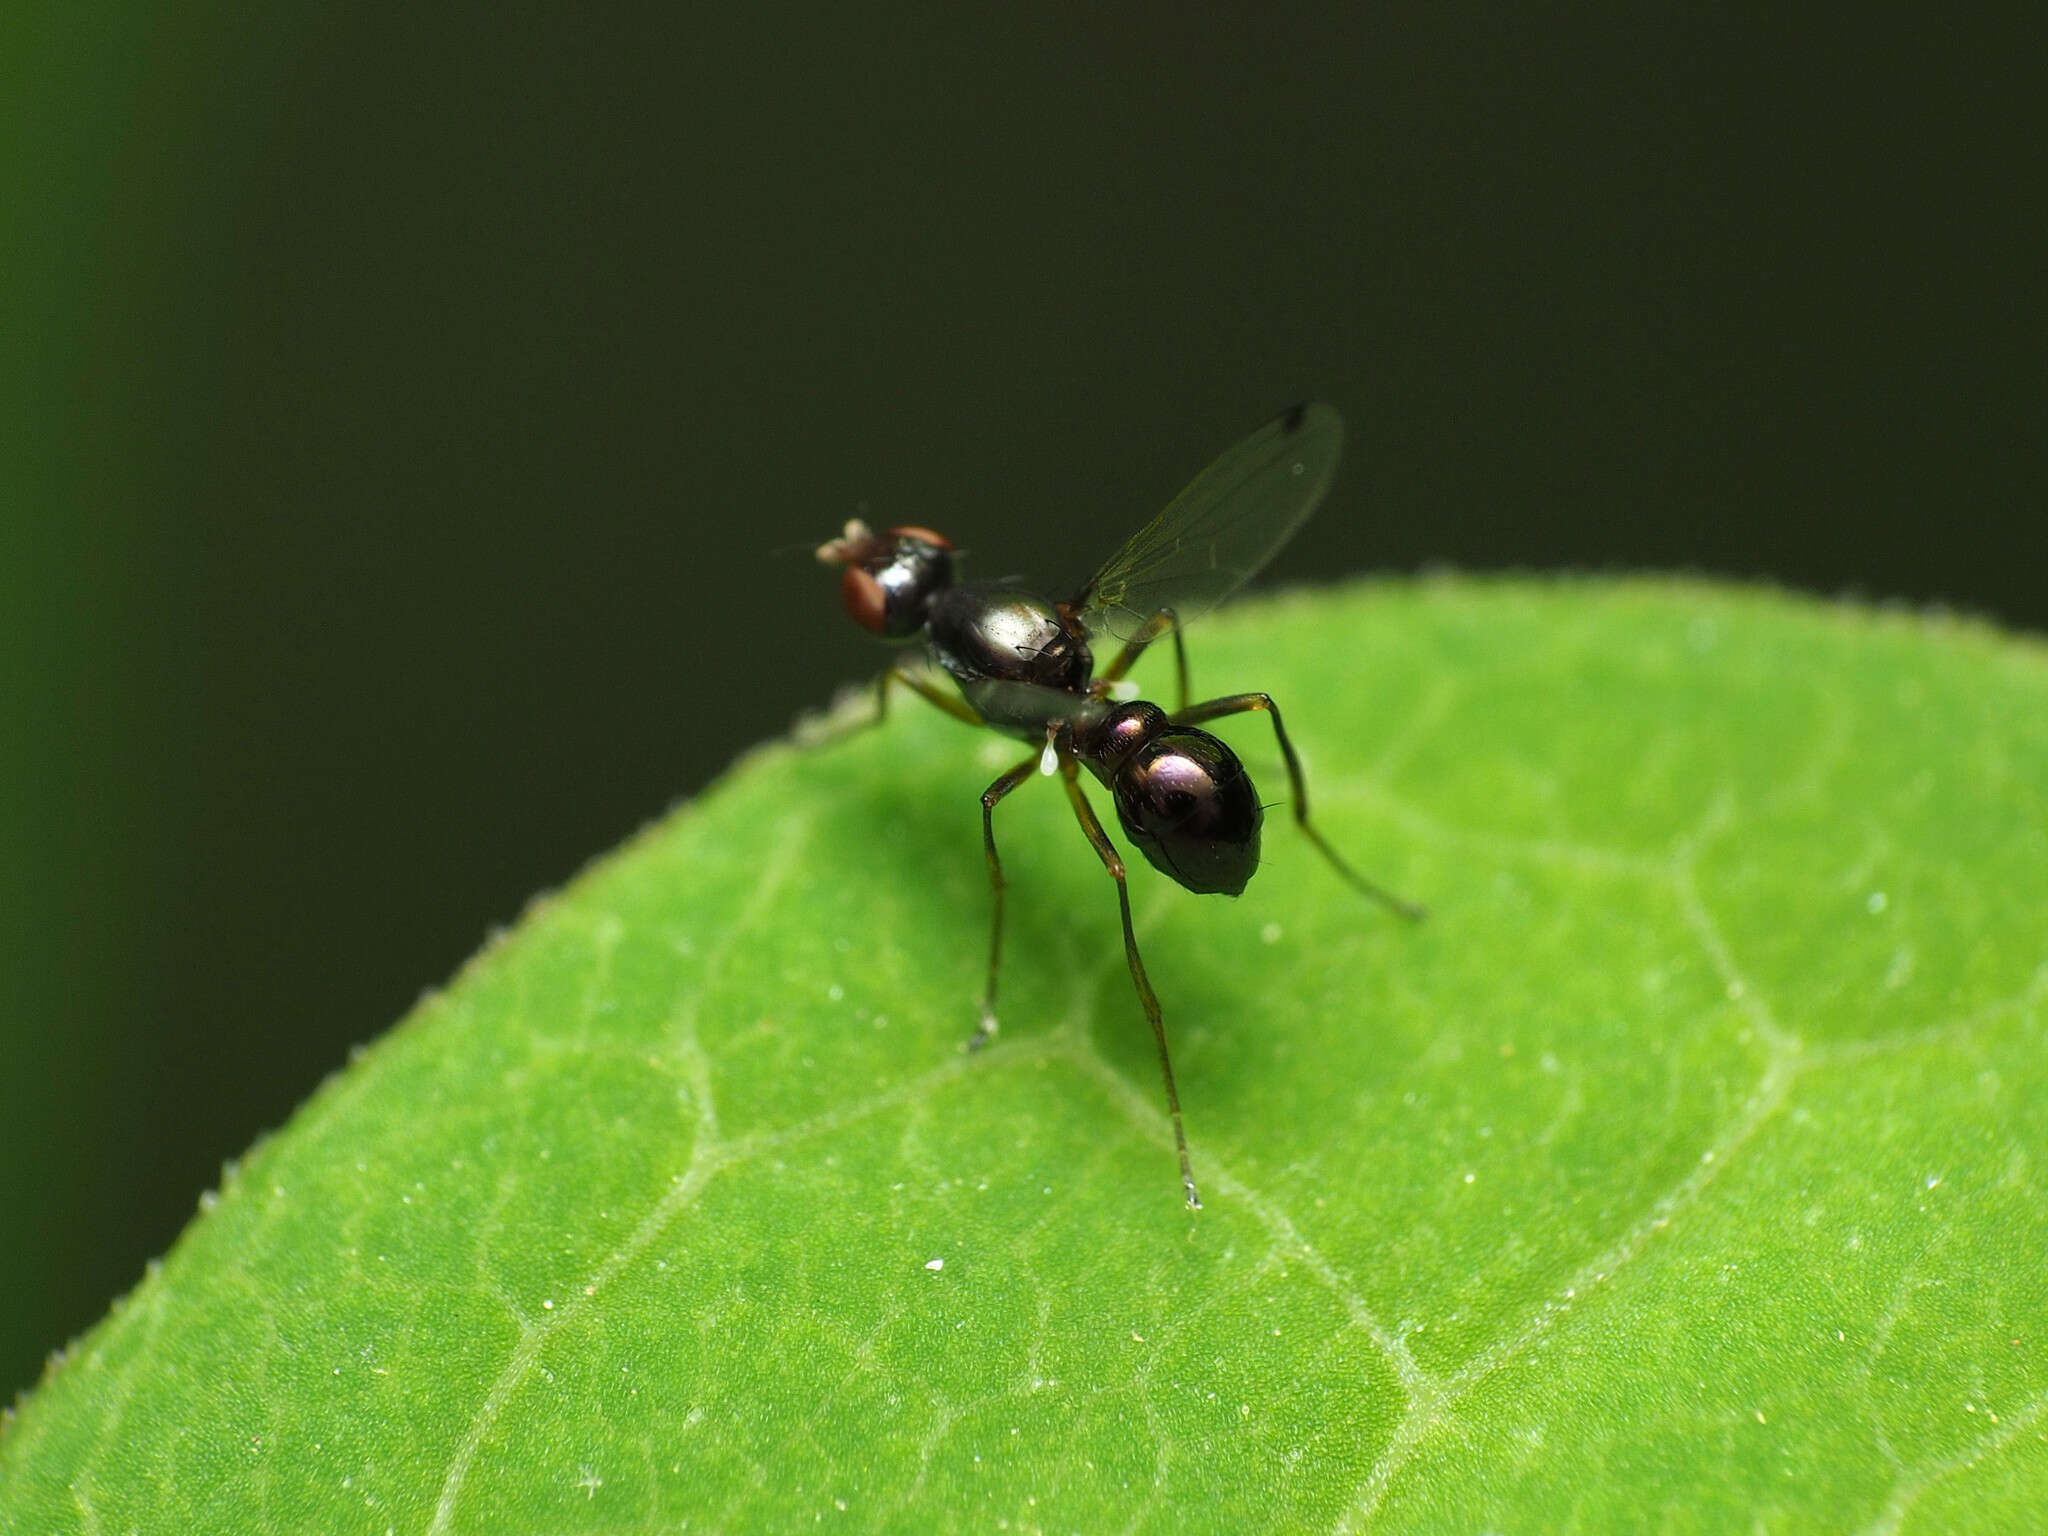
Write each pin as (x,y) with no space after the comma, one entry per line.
(890,578)
(997,633)
(1187,804)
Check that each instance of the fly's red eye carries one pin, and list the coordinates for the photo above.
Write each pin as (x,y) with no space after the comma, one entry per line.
(863,597)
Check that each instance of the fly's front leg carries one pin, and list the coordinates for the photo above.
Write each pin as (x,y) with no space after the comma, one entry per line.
(926,689)
(990,798)
(1245,703)
(1113,862)
(1162,621)
(837,726)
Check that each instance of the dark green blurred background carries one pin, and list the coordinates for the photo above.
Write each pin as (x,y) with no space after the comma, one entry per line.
(404,407)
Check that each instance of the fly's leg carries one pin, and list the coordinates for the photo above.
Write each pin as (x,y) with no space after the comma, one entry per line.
(1245,703)
(931,692)
(1106,851)
(990,798)
(1162,621)
(837,726)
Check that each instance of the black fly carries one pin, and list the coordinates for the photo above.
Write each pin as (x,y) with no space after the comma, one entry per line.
(1024,667)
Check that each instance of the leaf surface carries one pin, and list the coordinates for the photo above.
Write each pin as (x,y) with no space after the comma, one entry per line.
(1680,1173)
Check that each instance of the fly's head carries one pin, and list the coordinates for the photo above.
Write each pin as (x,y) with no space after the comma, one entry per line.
(887,580)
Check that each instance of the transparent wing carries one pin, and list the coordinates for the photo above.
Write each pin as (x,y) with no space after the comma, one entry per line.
(1219,532)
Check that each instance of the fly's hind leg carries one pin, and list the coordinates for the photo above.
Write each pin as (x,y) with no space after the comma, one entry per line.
(1246,703)
(1113,862)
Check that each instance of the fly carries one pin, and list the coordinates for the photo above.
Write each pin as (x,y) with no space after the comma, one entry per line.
(1025,666)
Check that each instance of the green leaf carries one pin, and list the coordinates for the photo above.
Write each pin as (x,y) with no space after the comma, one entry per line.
(1683,1172)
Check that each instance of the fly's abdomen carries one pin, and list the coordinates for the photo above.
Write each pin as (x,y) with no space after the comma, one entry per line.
(1186,802)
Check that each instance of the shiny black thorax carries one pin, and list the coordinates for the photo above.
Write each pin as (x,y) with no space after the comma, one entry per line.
(979,632)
